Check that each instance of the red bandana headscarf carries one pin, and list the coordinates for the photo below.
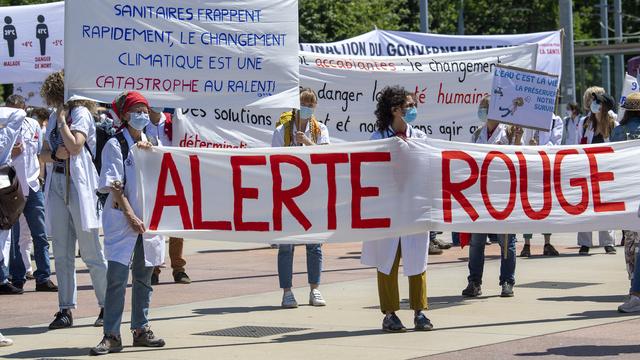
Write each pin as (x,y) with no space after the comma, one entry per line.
(126,101)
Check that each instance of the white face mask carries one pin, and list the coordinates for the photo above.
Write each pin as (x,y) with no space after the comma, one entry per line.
(483,113)
(139,120)
(595,107)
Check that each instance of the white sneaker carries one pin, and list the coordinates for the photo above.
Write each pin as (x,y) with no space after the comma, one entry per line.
(5,341)
(316,299)
(631,305)
(289,301)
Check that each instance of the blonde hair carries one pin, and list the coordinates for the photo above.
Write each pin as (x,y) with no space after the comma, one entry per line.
(308,95)
(587,97)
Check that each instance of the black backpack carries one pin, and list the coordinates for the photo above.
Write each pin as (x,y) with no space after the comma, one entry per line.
(102,137)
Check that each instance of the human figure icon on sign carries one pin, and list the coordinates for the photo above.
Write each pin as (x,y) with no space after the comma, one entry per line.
(517,102)
(10,35)
(42,34)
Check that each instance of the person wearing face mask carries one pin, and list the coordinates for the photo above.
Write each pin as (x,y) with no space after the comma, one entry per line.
(300,128)
(70,196)
(395,110)
(571,125)
(127,245)
(492,133)
(596,128)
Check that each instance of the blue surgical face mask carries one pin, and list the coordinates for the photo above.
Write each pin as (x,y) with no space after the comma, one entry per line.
(306,112)
(595,107)
(139,120)
(410,115)
(483,113)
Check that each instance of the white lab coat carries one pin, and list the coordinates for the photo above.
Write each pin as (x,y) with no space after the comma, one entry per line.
(414,248)
(83,172)
(27,164)
(552,137)
(157,132)
(119,237)
(10,123)
(589,132)
(498,137)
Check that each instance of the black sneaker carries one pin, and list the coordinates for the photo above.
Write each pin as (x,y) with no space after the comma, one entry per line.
(100,320)
(109,344)
(155,279)
(422,323)
(472,290)
(507,290)
(549,250)
(584,250)
(147,339)
(47,286)
(526,251)
(9,289)
(610,250)
(63,319)
(181,278)
(19,285)
(391,323)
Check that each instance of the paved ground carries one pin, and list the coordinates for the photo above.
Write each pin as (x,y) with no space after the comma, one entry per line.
(564,307)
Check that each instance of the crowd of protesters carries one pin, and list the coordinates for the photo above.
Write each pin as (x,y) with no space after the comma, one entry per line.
(77,175)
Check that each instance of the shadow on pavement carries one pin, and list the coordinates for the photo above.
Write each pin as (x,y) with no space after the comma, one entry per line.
(48,353)
(596,298)
(612,314)
(235,310)
(587,351)
(232,250)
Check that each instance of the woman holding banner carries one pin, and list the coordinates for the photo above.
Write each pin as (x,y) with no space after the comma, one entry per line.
(495,133)
(300,128)
(596,128)
(395,110)
(126,244)
(70,196)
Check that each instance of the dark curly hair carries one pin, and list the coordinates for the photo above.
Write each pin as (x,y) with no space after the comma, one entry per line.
(390,97)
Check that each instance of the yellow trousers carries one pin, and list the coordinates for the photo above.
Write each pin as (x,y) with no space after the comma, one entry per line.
(388,289)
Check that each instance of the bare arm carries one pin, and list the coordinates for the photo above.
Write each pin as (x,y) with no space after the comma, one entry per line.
(73,140)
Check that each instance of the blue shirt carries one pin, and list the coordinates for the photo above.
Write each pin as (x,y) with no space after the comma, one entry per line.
(628,131)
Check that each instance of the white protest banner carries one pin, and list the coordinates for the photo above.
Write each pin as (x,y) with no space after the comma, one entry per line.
(448,88)
(630,86)
(184,53)
(378,189)
(33,45)
(400,43)
(30,92)
(523,97)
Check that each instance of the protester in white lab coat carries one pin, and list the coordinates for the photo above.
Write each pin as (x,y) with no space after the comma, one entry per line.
(125,240)
(596,128)
(70,196)
(543,138)
(26,162)
(493,133)
(571,125)
(10,123)
(397,108)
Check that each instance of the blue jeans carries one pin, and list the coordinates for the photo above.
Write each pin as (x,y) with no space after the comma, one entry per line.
(455,238)
(117,279)
(285,264)
(34,214)
(66,227)
(476,258)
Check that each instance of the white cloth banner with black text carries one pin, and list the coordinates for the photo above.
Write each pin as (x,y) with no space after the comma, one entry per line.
(380,189)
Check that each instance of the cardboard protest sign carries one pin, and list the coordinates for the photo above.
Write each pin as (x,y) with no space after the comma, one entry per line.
(379,189)
(184,53)
(523,97)
(33,42)
(447,87)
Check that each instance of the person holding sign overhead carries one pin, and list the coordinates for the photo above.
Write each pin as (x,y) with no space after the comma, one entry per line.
(395,110)
(492,132)
(300,128)
(125,242)
(596,128)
